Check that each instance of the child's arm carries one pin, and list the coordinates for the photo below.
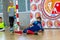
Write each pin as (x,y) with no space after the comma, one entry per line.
(30,25)
(31,22)
(8,9)
(15,9)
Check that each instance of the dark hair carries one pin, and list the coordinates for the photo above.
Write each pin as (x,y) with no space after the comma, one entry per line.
(39,18)
(0,17)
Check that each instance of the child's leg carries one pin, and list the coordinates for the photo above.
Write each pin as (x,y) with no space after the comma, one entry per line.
(28,30)
(41,29)
(25,30)
(11,20)
(31,30)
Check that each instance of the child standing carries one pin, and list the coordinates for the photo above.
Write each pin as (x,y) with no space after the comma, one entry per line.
(11,12)
(1,25)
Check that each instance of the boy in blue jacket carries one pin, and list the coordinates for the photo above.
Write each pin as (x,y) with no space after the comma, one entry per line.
(35,28)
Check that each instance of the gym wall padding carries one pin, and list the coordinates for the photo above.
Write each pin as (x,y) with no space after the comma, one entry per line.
(49,10)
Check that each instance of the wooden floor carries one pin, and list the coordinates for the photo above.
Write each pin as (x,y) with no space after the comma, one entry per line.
(49,34)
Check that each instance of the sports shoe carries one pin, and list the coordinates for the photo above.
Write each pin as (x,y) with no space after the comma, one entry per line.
(12,30)
(2,29)
(35,33)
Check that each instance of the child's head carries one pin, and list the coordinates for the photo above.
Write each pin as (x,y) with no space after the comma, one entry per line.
(37,15)
(11,3)
(38,18)
(0,19)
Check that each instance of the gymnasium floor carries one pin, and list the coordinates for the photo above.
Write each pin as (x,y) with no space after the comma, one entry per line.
(49,34)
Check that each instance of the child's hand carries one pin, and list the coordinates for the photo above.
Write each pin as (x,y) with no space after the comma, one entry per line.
(40,31)
(14,16)
(30,25)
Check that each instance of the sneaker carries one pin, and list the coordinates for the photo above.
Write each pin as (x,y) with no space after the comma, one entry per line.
(35,33)
(42,30)
(2,29)
(12,30)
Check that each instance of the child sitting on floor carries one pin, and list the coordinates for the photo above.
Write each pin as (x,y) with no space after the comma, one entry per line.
(1,25)
(35,27)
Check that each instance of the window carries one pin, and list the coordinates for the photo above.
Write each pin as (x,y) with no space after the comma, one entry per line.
(28,5)
(24,5)
(1,6)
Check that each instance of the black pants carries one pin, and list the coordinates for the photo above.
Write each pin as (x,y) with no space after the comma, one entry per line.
(11,21)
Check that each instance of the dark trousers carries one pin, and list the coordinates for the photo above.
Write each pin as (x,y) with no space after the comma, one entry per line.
(11,21)
(33,28)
